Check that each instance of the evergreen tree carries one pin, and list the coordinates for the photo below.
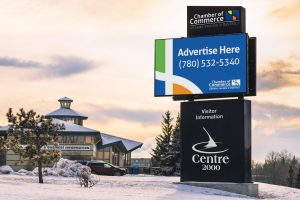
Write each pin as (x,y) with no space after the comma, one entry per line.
(2,143)
(174,158)
(290,178)
(160,153)
(3,147)
(5,143)
(30,134)
(291,173)
(297,185)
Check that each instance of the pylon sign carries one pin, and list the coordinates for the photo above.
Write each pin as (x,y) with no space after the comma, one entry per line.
(216,141)
(216,60)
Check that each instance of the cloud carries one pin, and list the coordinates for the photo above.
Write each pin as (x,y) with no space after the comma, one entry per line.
(276,119)
(274,112)
(59,66)
(146,150)
(274,127)
(144,117)
(67,66)
(287,12)
(281,73)
(292,132)
(112,11)
(18,63)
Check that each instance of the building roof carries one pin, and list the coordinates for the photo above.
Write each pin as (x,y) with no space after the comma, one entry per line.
(66,112)
(109,140)
(75,129)
(3,130)
(65,99)
(70,129)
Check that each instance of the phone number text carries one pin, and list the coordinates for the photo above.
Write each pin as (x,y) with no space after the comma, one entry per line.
(197,63)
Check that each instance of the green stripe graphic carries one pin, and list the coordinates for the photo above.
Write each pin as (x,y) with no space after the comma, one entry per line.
(160,47)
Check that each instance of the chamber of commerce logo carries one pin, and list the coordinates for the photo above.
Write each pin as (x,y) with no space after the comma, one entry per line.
(210,146)
(166,83)
(232,15)
(236,82)
(225,84)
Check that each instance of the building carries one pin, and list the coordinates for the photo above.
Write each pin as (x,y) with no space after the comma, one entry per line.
(141,162)
(78,142)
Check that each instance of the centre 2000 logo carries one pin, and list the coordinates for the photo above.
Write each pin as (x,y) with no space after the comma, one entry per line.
(211,160)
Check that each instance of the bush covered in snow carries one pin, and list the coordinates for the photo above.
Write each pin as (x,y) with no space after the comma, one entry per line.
(86,178)
(64,167)
(22,171)
(6,169)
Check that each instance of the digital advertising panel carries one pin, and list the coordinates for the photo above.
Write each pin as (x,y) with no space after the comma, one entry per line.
(212,65)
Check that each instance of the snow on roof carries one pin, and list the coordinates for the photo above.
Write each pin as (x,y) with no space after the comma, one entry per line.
(66,112)
(3,130)
(129,145)
(70,127)
(65,99)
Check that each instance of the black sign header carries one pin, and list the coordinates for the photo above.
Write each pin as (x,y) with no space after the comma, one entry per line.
(214,20)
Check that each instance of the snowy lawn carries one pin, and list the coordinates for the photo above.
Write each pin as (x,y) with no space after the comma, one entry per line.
(129,187)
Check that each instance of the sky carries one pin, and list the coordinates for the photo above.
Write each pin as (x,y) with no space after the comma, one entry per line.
(101,55)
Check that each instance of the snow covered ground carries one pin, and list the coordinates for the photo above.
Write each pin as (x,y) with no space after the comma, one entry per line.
(129,187)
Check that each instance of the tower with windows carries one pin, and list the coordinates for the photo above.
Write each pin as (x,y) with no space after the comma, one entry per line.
(67,114)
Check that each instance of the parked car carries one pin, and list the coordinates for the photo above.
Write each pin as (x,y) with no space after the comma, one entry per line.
(103,168)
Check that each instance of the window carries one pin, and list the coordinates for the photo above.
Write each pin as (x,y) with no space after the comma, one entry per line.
(100,165)
(100,155)
(88,139)
(79,157)
(107,166)
(64,104)
(106,149)
(80,139)
(69,139)
(106,155)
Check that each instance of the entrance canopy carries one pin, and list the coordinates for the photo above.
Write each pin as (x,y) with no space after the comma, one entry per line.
(126,144)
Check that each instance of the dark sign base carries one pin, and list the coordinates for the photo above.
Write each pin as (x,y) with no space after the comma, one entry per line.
(216,141)
(249,189)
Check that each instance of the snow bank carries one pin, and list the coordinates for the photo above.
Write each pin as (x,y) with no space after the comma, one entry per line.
(63,167)
(67,168)
(6,169)
(128,187)
(22,171)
